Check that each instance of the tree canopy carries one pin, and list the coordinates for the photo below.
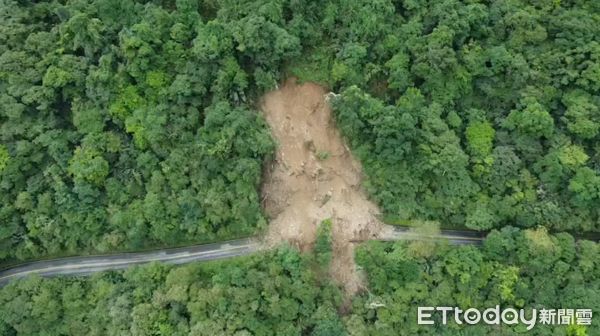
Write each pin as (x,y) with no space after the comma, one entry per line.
(127,124)
(458,109)
(275,293)
(133,123)
(283,292)
(521,269)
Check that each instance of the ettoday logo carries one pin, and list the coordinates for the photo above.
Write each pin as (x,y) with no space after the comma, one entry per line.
(508,316)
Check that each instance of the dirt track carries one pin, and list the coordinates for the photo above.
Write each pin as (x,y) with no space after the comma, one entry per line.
(314,177)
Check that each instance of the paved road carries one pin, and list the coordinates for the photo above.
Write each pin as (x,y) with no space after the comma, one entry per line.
(91,264)
(457,237)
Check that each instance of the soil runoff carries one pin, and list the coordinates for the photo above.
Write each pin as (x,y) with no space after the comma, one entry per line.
(314,177)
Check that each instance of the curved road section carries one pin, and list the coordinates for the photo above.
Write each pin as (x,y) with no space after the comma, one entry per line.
(233,248)
(86,265)
(92,264)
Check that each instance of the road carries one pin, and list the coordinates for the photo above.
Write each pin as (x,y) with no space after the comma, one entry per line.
(458,237)
(90,264)
(86,265)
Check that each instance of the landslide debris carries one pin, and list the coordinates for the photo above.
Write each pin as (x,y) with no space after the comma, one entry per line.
(314,177)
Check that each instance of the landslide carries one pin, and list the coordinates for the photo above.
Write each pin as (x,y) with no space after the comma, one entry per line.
(314,177)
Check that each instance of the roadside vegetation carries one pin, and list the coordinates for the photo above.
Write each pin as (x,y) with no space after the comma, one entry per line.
(478,114)
(283,292)
(133,123)
(523,269)
(274,293)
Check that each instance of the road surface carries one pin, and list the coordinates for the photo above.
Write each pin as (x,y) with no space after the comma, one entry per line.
(91,264)
(458,237)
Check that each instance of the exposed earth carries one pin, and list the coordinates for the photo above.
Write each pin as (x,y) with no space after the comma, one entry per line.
(314,177)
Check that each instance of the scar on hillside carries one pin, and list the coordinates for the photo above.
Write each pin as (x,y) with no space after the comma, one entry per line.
(314,177)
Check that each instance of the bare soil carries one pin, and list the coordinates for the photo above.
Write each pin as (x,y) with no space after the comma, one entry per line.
(314,177)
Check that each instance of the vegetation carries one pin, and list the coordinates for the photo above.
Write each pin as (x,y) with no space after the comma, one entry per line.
(323,249)
(270,294)
(472,113)
(528,269)
(282,293)
(130,123)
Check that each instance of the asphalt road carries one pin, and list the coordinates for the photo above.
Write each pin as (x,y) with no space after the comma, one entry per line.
(90,264)
(458,237)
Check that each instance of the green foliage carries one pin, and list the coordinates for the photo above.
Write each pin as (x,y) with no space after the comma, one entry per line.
(520,269)
(586,187)
(470,113)
(323,248)
(572,156)
(480,137)
(268,294)
(131,124)
(480,215)
(532,120)
(406,148)
(322,155)
(4,157)
(126,102)
(582,115)
(315,66)
(88,165)
(479,113)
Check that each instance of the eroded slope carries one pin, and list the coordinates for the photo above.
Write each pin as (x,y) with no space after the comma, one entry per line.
(314,177)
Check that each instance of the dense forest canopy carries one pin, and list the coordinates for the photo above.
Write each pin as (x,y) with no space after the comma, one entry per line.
(528,269)
(271,294)
(126,124)
(131,123)
(474,113)
(284,293)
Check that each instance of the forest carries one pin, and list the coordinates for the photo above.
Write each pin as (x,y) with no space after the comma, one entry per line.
(477,114)
(128,124)
(514,268)
(283,292)
(271,294)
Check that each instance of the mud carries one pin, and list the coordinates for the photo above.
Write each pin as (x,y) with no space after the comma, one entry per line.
(314,177)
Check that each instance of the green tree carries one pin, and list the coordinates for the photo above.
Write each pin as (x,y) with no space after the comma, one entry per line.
(480,137)
(323,248)
(533,120)
(585,186)
(4,157)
